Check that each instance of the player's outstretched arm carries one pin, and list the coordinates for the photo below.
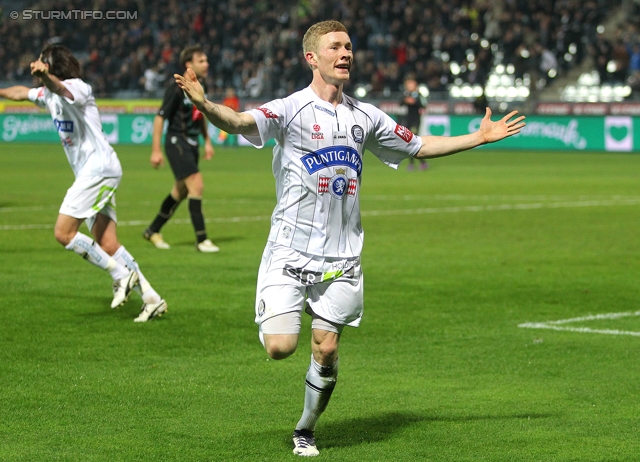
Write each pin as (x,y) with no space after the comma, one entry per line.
(15,93)
(223,117)
(489,132)
(41,70)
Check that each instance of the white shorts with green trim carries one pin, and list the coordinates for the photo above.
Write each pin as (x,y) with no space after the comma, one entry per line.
(90,195)
(287,279)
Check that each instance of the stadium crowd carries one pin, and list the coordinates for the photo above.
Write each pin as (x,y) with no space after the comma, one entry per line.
(254,45)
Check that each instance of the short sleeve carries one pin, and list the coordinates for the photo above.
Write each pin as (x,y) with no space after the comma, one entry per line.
(80,90)
(390,141)
(270,119)
(36,95)
(170,102)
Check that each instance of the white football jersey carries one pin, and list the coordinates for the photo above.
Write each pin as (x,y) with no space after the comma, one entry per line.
(80,129)
(318,163)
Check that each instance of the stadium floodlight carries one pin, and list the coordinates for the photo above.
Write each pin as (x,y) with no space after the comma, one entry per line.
(501,92)
(606,91)
(423,90)
(600,29)
(455,91)
(612,67)
(470,56)
(494,80)
(455,68)
(552,73)
(512,92)
(458,81)
(444,56)
(472,66)
(500,69)
(568,57)
(490,92)
(494,47)
(503,106)
(573,49)
(361,91)
(511,69)
(523,92)
(484,43)
(525,53)
(506,80)
(467,91)
(477,91)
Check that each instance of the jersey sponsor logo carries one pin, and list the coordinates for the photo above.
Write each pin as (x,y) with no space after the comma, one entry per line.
(267,113)
(331,157)
(403,132)
(64,125)
(308,278)
(324,109)
(357,132)
(316,132)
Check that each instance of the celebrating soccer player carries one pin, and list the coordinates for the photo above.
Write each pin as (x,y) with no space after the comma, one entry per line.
(312,258)
(97,170)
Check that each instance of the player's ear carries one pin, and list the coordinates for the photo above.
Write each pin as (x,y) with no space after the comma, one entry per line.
(310,56)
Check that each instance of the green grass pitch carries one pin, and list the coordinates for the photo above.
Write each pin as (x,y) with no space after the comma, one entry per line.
(457,258)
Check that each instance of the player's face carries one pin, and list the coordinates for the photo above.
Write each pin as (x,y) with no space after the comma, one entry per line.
(335,57)
(199,64)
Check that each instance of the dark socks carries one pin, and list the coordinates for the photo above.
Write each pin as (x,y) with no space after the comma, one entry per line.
(197,219)
(168,207)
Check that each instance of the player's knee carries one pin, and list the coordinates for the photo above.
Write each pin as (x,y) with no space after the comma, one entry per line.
(280,349)
(63,237)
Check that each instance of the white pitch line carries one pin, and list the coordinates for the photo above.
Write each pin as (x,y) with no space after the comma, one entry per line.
(373,213)
(555,325)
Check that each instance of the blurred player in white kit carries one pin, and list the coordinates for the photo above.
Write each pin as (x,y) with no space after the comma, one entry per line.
(97,172)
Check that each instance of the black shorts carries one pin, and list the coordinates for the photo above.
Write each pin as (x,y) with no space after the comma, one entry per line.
(182,155)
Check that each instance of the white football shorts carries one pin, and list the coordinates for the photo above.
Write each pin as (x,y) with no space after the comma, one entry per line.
(90,195)
(287,278)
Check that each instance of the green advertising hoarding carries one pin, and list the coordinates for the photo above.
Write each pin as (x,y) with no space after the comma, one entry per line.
(576,133)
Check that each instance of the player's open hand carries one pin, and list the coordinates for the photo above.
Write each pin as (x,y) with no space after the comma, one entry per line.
(496,131)
(191,87)
(39,69)
(209,152)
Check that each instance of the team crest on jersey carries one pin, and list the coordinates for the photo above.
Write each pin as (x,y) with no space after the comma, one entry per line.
(316,132)
(267,113)
(357,132)
(335,185)
(261,308)
(403,132)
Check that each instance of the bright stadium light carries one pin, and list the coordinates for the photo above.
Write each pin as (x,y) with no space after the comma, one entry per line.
(511,69)
(612,67)
(500,69)
(477,91)
(552,73)
(472,66)
(467,91)
(600,29)
(475,36)
(455,91)
(568,57)
(361,92)
(490,92)
(444,56)
(470,56)
(525,53)
(573,49)
(455,68)
(423,90)
(523,92)
(484,43)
